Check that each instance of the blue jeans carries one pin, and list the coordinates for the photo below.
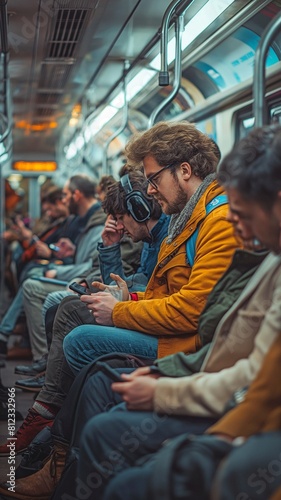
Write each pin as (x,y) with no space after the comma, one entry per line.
(16,308)
(114,442)
(9,320)
(112,439)
(88,342)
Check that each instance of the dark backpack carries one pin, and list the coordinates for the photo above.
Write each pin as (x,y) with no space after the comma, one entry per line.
(185,467)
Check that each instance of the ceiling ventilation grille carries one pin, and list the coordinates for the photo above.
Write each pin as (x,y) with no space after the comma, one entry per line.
(68,28)
(48,99)
(45,112)
(65,32)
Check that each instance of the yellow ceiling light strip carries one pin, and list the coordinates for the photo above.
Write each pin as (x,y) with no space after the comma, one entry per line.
(36,127)
(35,166)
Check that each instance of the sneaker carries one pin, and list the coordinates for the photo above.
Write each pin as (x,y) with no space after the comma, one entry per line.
(33,384)
(32,424)
(36,455)
(36,368)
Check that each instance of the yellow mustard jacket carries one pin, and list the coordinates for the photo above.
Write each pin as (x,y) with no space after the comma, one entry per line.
(176,293)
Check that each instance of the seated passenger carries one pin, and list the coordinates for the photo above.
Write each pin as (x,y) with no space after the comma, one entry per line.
(243,447)
(141,218)
(79,195)
(36,247)
(103,185)
(61,225)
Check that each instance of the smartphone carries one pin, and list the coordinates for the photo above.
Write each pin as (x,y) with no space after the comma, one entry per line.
(55,248)
(154,369)
(81,290)
(110,372)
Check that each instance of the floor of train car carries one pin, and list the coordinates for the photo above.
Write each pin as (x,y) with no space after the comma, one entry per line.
(23,401)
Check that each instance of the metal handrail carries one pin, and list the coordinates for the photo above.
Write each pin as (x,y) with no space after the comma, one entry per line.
(7,111)
(179,27)
(259,109)
(123,124)
(163,73)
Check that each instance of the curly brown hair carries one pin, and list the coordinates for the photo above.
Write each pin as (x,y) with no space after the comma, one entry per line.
(175,143)
(104,183)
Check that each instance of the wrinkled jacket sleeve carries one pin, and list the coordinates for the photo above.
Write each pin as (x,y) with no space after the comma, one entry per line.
(206,394)
(178,312)
(83,258)
(180,364)
(260,411)
(110,261)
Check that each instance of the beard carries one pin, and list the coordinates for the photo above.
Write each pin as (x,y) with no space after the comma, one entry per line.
(176,206)
(73,208)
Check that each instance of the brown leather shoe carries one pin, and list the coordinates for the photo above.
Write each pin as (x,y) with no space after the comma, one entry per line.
(41,485)
(17,352)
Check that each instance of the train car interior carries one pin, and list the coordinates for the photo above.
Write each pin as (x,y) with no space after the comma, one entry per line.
(79,77)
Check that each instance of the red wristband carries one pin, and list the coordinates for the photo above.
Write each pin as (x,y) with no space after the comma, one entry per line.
(134,296)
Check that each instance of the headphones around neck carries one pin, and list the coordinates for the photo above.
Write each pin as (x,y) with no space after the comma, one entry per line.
(136,203)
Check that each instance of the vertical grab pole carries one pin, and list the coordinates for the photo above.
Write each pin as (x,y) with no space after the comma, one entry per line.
(260,112)
(7,133)
(123,124)
(163,73)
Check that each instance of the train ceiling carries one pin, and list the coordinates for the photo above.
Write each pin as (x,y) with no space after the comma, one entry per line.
(65,57)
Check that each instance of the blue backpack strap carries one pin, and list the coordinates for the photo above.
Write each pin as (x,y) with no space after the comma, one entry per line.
(219,200)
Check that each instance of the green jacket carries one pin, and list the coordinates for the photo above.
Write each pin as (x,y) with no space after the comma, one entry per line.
(224,294)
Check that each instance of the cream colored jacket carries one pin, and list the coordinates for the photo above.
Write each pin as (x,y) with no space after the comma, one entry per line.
(242,339)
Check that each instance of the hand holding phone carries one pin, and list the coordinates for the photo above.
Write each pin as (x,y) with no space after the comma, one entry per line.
(81,290)
(110,372)
(54,248)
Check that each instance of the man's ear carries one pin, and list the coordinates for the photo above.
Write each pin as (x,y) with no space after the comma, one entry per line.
(186,171)
(76,195)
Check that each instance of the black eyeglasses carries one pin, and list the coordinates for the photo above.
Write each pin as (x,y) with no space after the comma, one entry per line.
(154,176)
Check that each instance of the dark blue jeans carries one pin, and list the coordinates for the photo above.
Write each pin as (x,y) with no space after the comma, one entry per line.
(113,441)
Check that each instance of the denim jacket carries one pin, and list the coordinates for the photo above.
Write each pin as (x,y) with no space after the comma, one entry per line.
(111,261)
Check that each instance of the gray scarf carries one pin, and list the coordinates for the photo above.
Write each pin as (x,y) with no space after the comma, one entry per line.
(178,221)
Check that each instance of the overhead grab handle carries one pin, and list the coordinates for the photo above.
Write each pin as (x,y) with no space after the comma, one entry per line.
(260,112)
(179,26)
(163,73)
